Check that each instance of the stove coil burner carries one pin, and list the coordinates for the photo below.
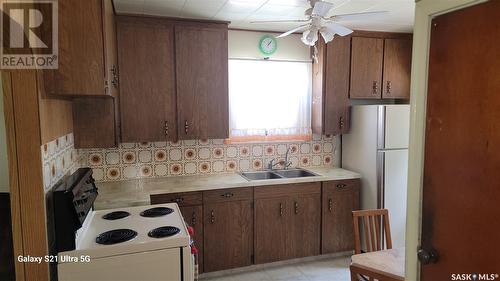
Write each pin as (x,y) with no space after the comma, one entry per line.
(164,231)
(116,215)
(156,212)
(115,236)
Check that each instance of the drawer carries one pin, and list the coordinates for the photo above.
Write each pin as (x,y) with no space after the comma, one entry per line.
(341,185)
(230,194)
(182,199)
(283,190)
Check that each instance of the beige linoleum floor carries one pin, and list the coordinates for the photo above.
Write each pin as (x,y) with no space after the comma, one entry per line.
(335,269)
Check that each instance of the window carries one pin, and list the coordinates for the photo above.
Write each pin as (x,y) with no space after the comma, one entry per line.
(269,100)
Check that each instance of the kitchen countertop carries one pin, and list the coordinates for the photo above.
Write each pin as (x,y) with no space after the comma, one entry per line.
(136,192)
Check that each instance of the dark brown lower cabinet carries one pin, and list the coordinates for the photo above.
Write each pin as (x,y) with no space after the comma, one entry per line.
(193,215)
(228,234)
(287,221)
(340,198)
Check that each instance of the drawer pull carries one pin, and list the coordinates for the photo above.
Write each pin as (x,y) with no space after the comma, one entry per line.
(212,217)
(296,208)
(193,219)
(341,186)
(330,205)
(227,195)
(178,200)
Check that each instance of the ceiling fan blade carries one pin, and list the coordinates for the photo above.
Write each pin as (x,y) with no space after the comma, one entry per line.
(338,29)
(299,28)
(271,21)
(355,16)
(321,8)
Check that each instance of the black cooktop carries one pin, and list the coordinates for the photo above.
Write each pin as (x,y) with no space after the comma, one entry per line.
(156,212)
(164,231)
(115,236)
(116,215)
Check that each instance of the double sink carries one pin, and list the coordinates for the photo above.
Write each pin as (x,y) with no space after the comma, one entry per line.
(277,174)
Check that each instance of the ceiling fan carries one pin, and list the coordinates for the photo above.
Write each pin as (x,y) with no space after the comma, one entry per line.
(318,22)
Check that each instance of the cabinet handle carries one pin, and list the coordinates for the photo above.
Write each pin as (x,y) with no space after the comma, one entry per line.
(341,186)
(114,79)
(178,200)
(166,128)
(212,217)
(330,205)
(375,87)
(193,219)
(186,127)
(227,195)
(296,207)
(341,122)
(281,209)
(388,87)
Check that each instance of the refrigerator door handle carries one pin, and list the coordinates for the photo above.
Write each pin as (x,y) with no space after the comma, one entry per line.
(380,179)
(381,127)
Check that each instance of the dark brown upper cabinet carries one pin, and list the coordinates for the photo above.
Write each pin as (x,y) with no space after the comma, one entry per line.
(147,75)
(380,65)
(87,51)
(397,69)
(366,68)
(202,81)
(330,106)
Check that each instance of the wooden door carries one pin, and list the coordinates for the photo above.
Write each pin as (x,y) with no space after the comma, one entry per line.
(366,67)
(147,80)
(397,69)
(305,225)
(81,68)
(462,160)
(340,198)
(228,234)
(202,86)
(193,215)
(336,100)
(272,219)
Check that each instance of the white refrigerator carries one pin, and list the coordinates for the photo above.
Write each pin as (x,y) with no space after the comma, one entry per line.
(377,148)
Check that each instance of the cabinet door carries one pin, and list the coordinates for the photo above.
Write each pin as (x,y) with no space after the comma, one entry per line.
(147,79)
(305,225)
(336,99)
(339,200)
(202,86)
(366,68)
(397,69)
(82,67)
(94,122)
(110,50)
(272,217)
(193,216)
(228,234)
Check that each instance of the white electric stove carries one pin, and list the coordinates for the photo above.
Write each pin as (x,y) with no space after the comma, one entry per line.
(137,243)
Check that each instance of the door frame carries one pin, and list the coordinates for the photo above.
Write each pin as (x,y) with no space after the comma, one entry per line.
(425,11)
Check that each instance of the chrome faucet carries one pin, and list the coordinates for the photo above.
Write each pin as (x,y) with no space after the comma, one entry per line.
(287,163)
(271,164)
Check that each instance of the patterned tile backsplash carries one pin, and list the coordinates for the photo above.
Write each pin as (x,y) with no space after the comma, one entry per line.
(59,157)
(160,159)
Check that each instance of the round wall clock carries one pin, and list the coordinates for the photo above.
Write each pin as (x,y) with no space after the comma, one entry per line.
(268,45)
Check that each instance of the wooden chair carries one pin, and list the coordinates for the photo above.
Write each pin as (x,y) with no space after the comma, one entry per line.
(375,225)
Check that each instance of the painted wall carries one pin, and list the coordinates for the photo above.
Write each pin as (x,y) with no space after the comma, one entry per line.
(4,167)
(245,45)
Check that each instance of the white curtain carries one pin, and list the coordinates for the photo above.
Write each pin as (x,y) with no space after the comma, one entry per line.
(268,98)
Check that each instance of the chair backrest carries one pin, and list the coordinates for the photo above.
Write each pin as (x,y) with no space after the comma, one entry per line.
(375,225)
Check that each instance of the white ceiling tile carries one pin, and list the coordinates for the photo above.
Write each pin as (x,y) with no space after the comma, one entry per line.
(269,12)
(297,3)
(171,8)
(239,6)
(129,6)
(202,8)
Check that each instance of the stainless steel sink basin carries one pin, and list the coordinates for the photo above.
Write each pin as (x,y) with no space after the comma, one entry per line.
(277,174)
(264,175)
(295,173)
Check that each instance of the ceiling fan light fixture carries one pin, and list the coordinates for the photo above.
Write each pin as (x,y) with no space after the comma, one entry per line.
(310,37)
(327,35)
